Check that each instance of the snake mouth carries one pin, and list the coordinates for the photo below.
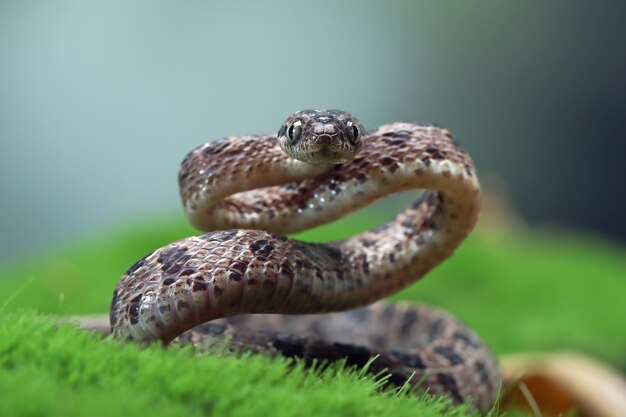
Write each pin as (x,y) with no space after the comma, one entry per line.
(324,156)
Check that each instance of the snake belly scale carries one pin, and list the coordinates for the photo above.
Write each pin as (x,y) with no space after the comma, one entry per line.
(247,191)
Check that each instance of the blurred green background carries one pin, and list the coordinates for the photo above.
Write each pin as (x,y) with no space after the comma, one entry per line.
(99,101)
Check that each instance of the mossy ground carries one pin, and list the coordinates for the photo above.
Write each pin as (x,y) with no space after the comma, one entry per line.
(520,290)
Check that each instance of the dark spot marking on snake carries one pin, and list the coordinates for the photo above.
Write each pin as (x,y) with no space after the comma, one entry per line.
(133,313)
(261,248)
(484,375)
(198,286)
(426,161)
(410,359)
(360,162)
(173,257)
(173,269)
(366,266)
(180,304)
(169,281)
(450,354)
(318,272)
(239,267)
(395,142)
(333,351)
(435,152)
(218,290)
(440,200)
(409,224)
(186,272)
(215,147)
(367,242)
(390,162)
(332,252)
(235,276)
(397,133)
(164,308)
(450,386)
(409,318)
(435,328)
(421,239)
(430,224)
(387,160)
(464,337)
(287,270)
(334,183)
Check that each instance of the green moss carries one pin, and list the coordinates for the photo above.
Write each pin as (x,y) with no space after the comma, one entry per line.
(46,369)
(522,291)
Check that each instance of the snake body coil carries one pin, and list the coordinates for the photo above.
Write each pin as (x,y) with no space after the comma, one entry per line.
(247,190)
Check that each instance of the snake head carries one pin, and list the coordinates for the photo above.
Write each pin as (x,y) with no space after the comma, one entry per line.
(321,136)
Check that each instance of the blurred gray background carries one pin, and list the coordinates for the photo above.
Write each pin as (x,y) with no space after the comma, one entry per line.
(100,101)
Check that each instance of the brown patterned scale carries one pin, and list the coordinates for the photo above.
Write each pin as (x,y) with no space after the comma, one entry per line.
(248,189)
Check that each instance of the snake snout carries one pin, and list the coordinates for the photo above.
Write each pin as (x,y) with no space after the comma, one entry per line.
(325,141)
(330,148)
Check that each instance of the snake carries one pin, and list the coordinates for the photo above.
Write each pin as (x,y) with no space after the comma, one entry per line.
(245,281)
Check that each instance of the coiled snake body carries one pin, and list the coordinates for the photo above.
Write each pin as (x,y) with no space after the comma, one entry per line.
(247,190)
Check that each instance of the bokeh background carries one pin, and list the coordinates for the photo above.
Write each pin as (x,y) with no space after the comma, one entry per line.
(99,101)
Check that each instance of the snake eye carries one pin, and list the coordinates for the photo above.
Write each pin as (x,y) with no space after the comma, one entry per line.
(353,133)
(294,131)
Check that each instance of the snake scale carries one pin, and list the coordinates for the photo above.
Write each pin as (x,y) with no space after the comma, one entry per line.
(247,191)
